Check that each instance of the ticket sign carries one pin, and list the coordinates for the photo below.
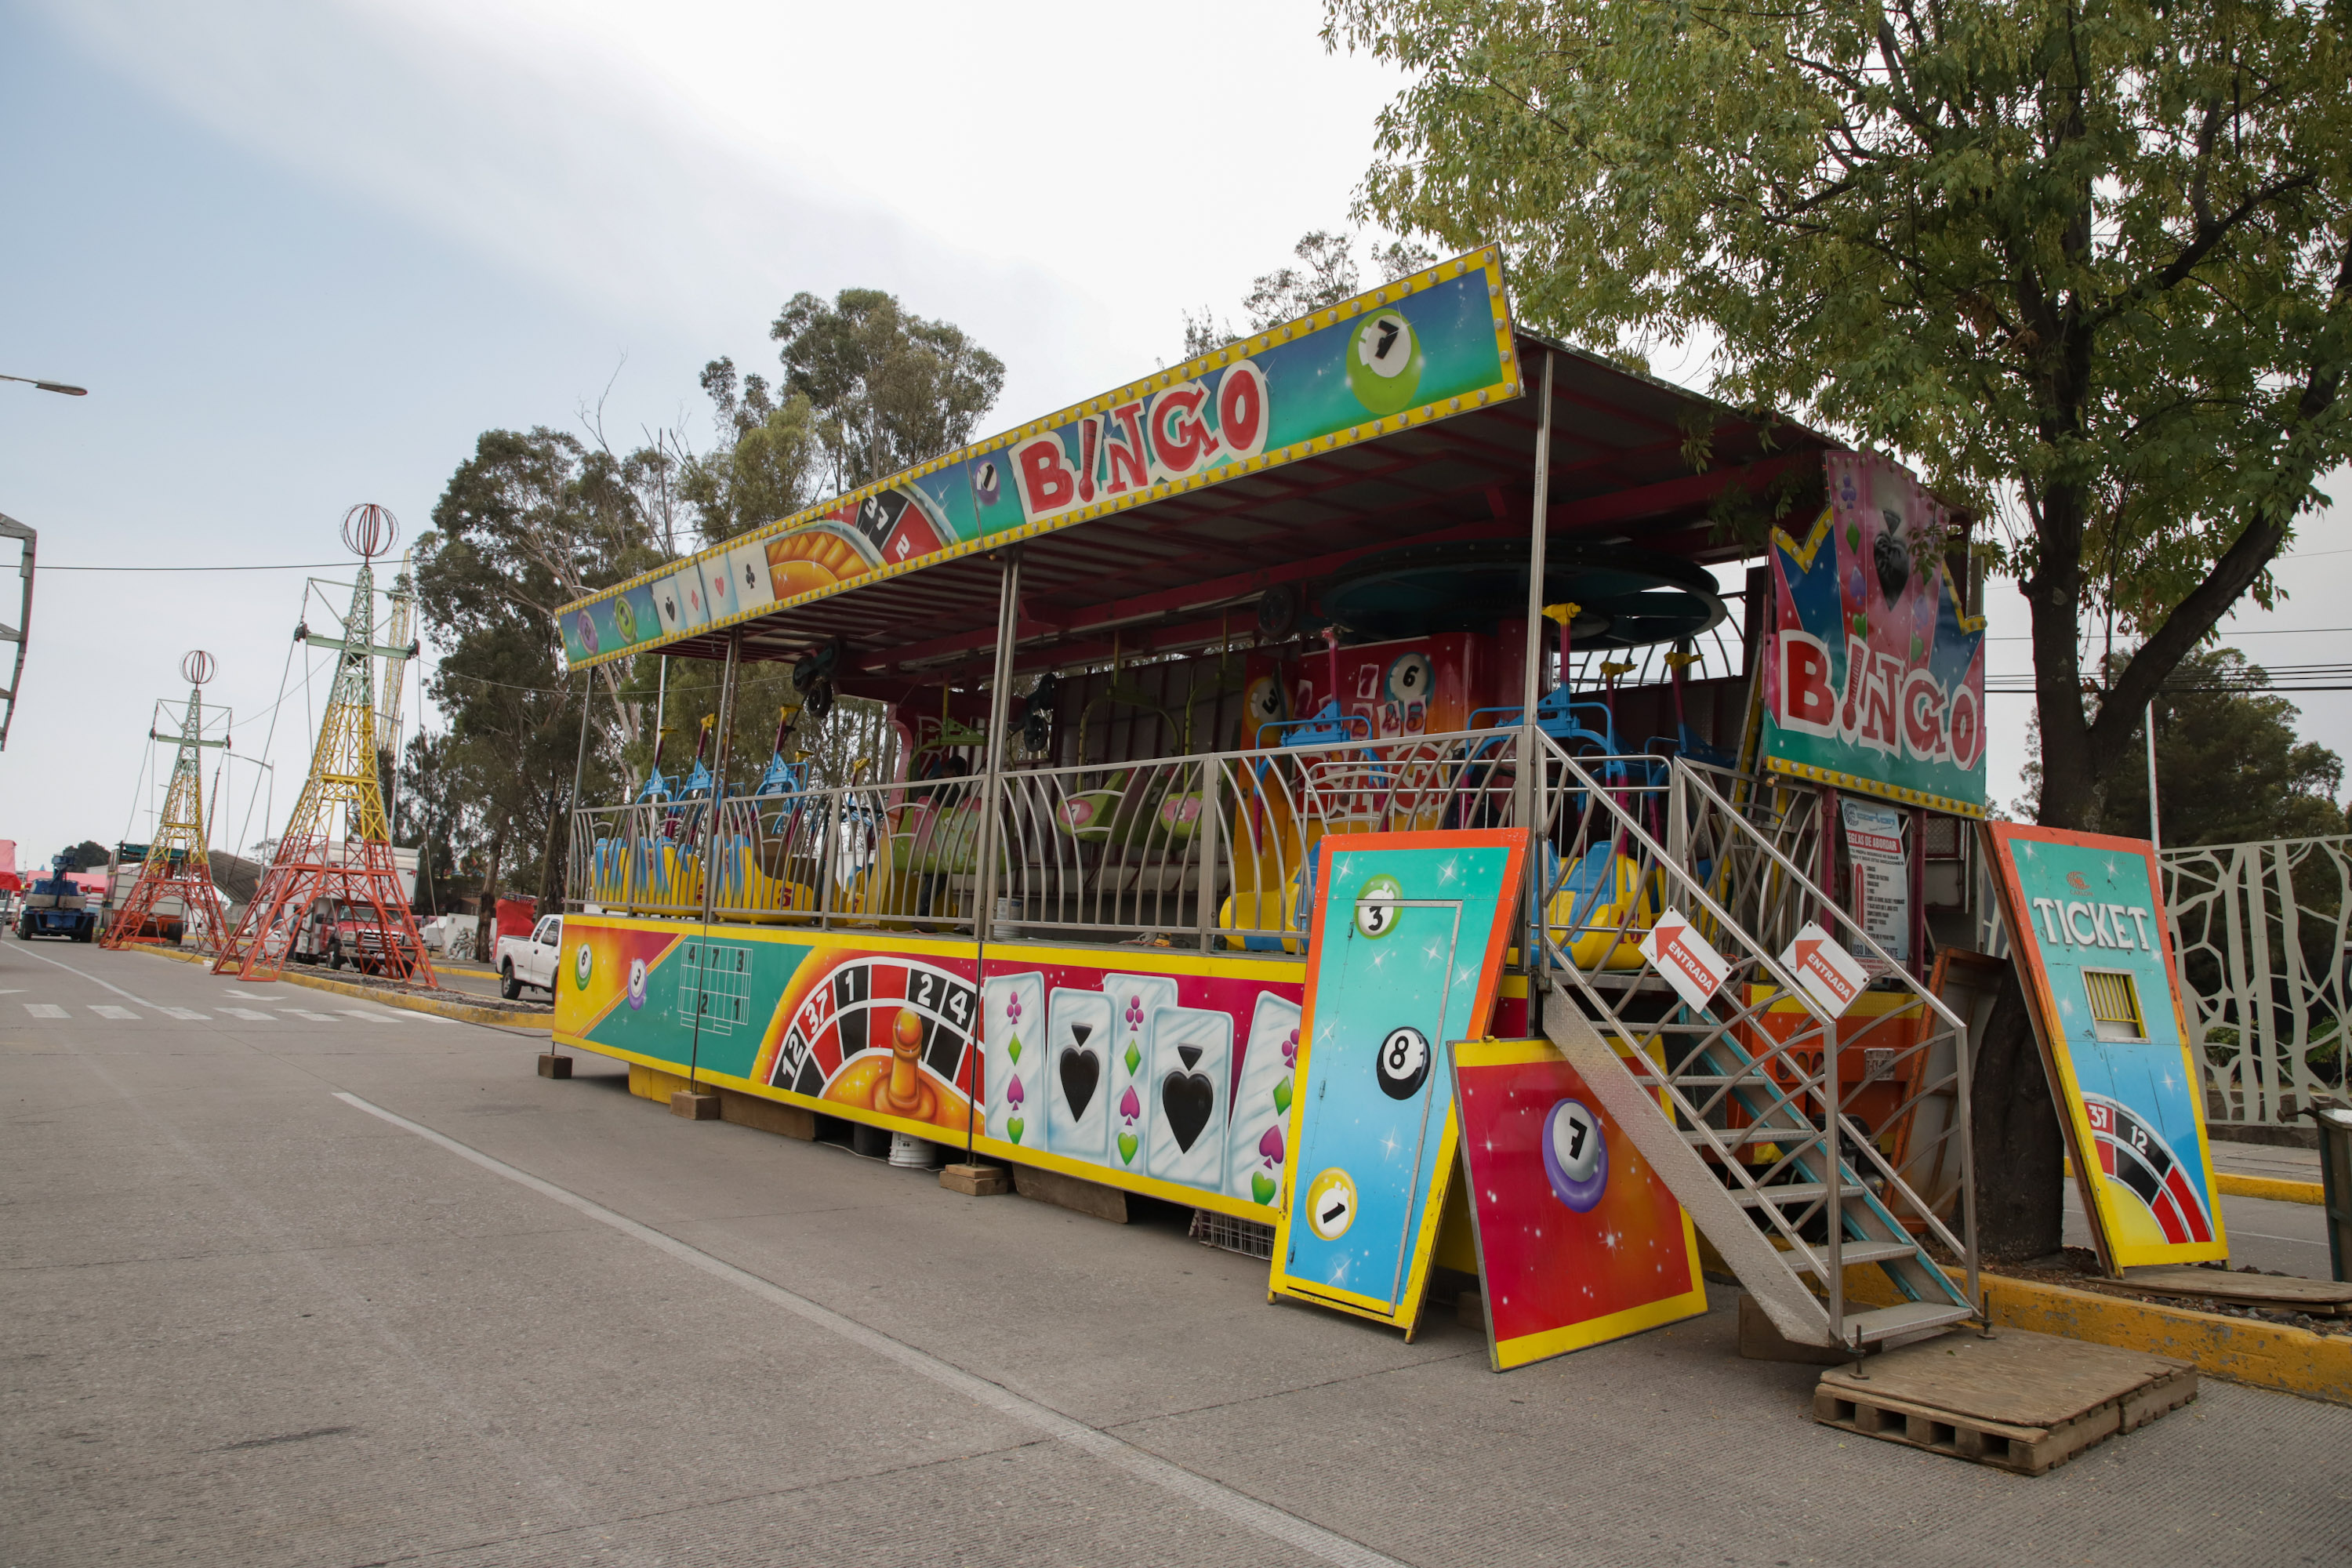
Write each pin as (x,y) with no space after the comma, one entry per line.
(1825,971)
(1687,959)
(2085,919)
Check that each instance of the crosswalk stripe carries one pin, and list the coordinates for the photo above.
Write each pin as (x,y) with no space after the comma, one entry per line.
(190,1014)
(373,1017)
(108,1010)
(47,1010)
(314,1017)
(250,1014)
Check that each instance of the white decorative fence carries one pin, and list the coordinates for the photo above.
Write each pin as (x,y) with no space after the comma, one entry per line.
(2262,930)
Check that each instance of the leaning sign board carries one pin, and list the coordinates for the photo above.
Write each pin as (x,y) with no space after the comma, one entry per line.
(1874,675)
(1420,349)
(2086,918)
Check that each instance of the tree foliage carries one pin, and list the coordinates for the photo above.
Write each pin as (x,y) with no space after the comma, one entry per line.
(888,388)
(2086,265)
(770,454)
(1326,274)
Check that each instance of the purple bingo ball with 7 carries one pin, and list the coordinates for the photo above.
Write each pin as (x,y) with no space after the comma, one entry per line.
(1575,1156)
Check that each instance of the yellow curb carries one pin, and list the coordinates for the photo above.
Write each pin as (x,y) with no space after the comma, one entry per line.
(2276,1188)
(2240,1350)
(434,1005)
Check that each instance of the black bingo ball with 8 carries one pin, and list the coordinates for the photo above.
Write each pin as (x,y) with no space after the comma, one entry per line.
(1404,1063)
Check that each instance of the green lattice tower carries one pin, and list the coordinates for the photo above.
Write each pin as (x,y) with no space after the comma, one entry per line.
(337,845)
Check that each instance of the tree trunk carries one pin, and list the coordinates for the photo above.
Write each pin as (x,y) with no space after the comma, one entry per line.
(486,916)
(2020,1153)
(551,866)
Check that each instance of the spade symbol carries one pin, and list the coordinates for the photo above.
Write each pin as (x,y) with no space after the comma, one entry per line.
(1188,1097)
(1892,560)
(669,608)
(1081,1073)
(1191,1055)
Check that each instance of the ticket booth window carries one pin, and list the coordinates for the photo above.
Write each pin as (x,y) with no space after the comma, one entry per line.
(2114,1005)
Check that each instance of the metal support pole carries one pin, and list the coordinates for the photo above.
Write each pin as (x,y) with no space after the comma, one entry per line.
(579,771)
(710,845)
(992,777)
(1530,796)
(2155,837)
(1208,837)
(1833,1137)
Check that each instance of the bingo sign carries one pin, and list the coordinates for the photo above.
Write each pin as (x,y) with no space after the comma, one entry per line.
(1874,675)
(1422,348)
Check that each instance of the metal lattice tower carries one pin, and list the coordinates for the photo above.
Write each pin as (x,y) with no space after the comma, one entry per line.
(178,863)
(337,847)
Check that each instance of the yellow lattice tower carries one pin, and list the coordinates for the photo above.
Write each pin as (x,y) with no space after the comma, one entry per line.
(178,863)
(337,847)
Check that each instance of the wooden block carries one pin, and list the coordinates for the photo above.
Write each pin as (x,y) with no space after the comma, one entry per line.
(1068,1192)
(694,1106)
(1760,1341)
(553,1066)
(2019,1400)
(977,1180)
(767,1115)
(2320,1298)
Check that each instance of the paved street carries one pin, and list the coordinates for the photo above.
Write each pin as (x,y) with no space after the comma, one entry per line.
(293,1279)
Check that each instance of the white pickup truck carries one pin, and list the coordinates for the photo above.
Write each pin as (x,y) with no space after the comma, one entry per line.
(531,960)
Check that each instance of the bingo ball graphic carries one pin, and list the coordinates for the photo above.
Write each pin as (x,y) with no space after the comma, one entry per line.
(624,619)
(1575,1156)
(1411,678)
(1331,1204)
(985,484)
(636,983)
(584,964)
(587,625)
(1384,363)
(1376,905)
(1402,1065)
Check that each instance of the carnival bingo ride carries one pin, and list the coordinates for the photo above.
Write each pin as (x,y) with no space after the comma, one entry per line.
(1125,668)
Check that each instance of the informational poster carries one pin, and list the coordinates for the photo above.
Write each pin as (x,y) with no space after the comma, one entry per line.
(2085,919)
(1873,671)
(1578,1240)
(1881,882)
(1407,951)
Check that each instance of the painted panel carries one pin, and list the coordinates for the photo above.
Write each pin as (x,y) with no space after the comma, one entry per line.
(1420,349)
(1874,675)
(1406,949)
(2085,919)
(1578,1241)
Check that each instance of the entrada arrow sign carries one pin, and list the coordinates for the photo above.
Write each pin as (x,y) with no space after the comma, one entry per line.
(1686,958)
(1826,971)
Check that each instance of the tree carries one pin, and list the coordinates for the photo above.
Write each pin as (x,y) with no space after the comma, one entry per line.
(889,388)
(1328,275)
(2229,767)
(765,468)
(88,855)
(2088,267)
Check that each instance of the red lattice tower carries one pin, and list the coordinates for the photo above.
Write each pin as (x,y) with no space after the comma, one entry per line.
(337,847)
(178,864)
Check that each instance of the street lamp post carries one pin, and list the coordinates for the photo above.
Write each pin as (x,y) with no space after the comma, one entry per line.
(11,528)
(49,385)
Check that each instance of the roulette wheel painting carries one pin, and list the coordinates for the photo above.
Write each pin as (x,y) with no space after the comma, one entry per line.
(2135,1156)
(893,1035)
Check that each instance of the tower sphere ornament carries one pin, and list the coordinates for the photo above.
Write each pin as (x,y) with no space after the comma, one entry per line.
(369,530)
(197,667)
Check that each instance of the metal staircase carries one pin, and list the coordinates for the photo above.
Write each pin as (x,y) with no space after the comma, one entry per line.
(1747,1107)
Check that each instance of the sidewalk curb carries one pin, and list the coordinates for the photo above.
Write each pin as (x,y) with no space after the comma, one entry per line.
(2277,1188)
(456,1010)
(2240,1349)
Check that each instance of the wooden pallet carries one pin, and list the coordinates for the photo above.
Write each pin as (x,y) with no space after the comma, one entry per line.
(2275,1292)
(2018,1401)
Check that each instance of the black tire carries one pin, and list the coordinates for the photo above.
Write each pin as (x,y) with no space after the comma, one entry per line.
(509,986)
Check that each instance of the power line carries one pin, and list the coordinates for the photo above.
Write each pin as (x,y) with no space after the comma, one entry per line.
(290,566)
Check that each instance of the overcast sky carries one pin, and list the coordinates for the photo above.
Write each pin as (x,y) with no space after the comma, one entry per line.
(302,254)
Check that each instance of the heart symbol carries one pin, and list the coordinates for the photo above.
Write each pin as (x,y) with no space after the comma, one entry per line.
(1893,562)
(1014,1126)
(1127,1147)
(1261,1188)
(1189,1099)
(1081,1073)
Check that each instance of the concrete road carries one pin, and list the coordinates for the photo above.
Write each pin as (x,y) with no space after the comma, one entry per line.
(292,1281)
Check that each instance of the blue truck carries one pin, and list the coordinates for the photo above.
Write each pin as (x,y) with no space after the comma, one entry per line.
(55,906)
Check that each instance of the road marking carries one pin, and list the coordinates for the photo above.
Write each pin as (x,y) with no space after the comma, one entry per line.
(1239,1507)
(314,1017)
(47,1010)
(108,1010)
(364,1015)
(251,1015)
(190,1014)
(94,980)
